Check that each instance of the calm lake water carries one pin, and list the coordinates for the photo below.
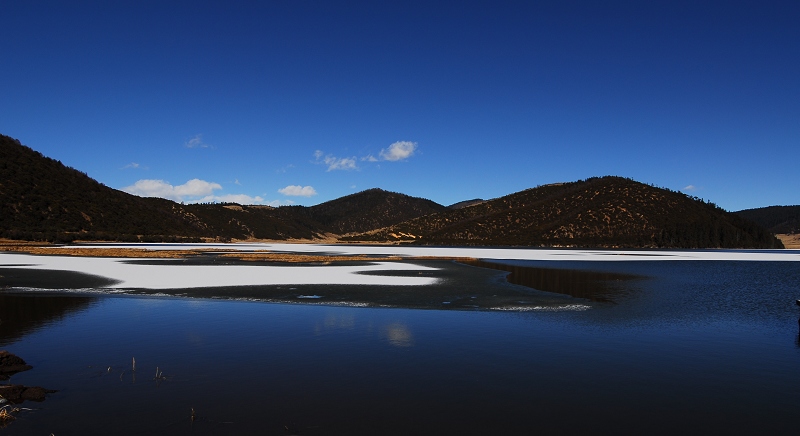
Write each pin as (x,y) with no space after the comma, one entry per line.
(689,347)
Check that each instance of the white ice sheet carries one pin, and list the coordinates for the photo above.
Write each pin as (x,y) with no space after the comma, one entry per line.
(170,276)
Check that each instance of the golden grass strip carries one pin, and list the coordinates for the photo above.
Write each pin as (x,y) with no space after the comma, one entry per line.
(103,252)
(258,256)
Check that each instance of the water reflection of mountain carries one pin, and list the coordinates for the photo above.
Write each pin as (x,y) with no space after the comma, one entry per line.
(592,285)
(21,314)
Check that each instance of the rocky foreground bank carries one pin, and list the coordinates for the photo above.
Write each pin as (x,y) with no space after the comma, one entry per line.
(10,394)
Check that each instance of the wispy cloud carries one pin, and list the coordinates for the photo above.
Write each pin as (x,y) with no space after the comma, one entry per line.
(400,150)
(298,191)
(132,165)
(335,163)
(285,169)
(690,188)
(196,142)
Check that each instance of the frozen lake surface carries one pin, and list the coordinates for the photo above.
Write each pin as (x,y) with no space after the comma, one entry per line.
(699,342)
(162,274)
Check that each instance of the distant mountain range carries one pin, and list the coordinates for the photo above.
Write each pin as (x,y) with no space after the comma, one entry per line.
(41,199)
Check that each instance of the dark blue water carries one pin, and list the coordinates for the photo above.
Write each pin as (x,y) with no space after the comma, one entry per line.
(685,347)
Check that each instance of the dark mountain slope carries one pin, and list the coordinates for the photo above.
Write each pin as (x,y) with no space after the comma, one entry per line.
(465,203)
(370,209)
(40,197)
(233,221)
(776,219)
(598,212)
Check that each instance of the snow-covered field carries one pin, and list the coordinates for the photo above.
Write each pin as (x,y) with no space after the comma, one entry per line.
(488,253)
(170,276)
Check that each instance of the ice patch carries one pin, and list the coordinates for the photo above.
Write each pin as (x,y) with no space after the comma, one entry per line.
(483,253)
(559,308)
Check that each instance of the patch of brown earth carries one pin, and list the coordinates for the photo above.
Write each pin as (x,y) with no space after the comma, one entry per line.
(790,240)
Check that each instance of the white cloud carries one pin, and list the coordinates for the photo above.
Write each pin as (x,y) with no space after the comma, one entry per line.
(336,163)
(199,191)
(298,191)
(400,150)
(196,187)
(278,203)
(690,188)
(162,189)
(196,142)
(231,198)
(133,165)
(340,163)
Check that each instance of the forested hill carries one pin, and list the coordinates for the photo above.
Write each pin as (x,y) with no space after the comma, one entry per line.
(597,212)
(41,199)
(371,209)
(776,219)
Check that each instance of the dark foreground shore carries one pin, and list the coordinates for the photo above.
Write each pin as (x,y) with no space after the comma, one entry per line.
(12,395)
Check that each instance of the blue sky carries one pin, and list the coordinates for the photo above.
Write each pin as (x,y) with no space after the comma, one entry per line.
(301,102)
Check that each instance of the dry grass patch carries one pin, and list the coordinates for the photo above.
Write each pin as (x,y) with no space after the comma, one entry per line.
(790,240)
(265,256)
(5,416)
(105,252)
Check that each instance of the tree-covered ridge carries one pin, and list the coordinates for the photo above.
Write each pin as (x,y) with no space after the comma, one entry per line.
(41,199)
(370,209)
(597,212)
(776,219)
